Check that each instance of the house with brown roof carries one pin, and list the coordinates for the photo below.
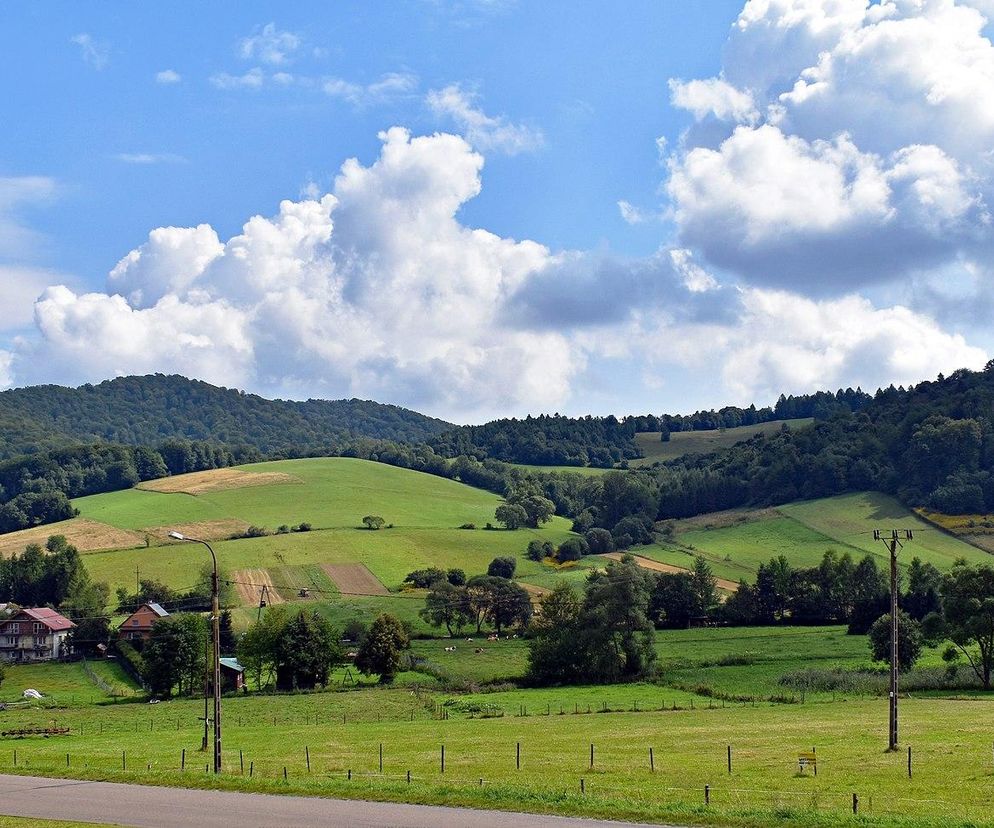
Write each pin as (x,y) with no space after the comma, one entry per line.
(138,625)
(35,635)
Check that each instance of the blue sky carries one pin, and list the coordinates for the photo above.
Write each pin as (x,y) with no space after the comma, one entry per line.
(588,208)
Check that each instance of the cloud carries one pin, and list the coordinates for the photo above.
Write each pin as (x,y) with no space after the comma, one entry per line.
(631,214)
(713,97)
(269,45)
(168,76)
(784,342)
(373,290)
(150,158)
(390,86)
(854,148)
(252,79)
(95,53)
(483,131)
(20,286)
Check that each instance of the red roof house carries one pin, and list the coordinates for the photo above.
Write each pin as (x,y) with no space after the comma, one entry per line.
(37,634)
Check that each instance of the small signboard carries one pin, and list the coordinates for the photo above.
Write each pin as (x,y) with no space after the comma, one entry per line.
(807,760)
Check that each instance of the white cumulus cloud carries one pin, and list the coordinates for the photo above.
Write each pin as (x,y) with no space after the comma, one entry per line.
(487,132)
(269,45)
(168,76)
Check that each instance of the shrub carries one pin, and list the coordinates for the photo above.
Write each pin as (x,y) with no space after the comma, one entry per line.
(373,522)
(283,529)
(502,567)
(572,549)
(301,527)
(468,526)
(599,541)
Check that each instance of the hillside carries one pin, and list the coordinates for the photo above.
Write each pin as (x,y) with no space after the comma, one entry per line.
(145,411)
(736,542)
(336,556)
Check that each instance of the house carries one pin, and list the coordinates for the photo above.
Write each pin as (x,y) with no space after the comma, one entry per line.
(232,675)
(35,635)
(138,625)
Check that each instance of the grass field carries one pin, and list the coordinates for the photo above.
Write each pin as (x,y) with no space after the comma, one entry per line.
(682,718)
(735,543)
(332,494)
(77,684)
(702,442)
(950,739)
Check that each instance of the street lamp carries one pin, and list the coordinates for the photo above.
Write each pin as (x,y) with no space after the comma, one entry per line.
(216,635)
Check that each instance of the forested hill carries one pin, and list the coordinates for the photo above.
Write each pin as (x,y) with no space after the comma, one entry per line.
(145,411)
(604,441)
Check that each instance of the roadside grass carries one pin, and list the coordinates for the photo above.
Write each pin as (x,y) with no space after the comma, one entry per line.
(702,442)
(951,783)
(32,822)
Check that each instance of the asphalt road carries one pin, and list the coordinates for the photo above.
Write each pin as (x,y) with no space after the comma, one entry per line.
(140,805)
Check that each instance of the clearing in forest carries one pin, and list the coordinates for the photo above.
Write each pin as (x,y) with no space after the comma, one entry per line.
(86,535)
(354,579)
(215,480)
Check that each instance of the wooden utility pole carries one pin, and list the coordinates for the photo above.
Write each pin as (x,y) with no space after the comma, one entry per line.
(893,543)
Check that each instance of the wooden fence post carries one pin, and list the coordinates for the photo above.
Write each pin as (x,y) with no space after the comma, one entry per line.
(729,760)
(652,762)
(707,794)
(517,757)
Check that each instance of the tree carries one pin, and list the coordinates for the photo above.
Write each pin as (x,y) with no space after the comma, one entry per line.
(373,522)
(553,657)
(225,590)
(924,586)
(509,605)
(447,605)
(672,601)
(226,632)
(599,541)
(705,587)
(304,652)
(502,567)
(538,510)
(572,549)
(456,577)
(618,636)
(175,654)
(539,550)
(257,647)
(512,515)
(968,615)
(381,648)
(909,640)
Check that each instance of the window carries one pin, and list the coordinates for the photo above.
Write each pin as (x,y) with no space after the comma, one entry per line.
(38,627)
(135,622)
(11,640)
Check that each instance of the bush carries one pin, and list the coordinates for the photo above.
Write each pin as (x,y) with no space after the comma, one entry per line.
(283,529)
(502,567)
(301,527)
(424,578)
(456,577)
(468,526)
(572,549)
(539,550)
(373,522)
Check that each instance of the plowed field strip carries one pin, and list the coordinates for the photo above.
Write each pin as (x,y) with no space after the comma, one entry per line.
(355,579)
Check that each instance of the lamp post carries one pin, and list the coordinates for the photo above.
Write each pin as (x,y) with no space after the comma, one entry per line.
(216,636)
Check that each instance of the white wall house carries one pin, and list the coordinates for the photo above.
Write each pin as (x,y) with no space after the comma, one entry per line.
(34,635)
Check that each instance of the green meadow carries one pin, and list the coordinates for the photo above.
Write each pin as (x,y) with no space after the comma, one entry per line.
(688,728)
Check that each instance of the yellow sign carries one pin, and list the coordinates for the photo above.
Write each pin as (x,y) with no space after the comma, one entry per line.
(804,759)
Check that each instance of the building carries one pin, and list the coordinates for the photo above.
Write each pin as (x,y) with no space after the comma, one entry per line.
(138,625)
(35,635)
(232,675)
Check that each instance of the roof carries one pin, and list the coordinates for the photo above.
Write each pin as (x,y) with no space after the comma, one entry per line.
(157,609)
(49,617)
(232,664)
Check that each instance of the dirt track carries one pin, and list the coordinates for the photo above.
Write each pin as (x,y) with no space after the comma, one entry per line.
(354,579)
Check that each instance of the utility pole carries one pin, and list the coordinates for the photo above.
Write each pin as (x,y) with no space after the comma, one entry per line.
(216,638)
(138,587)
(893,543)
